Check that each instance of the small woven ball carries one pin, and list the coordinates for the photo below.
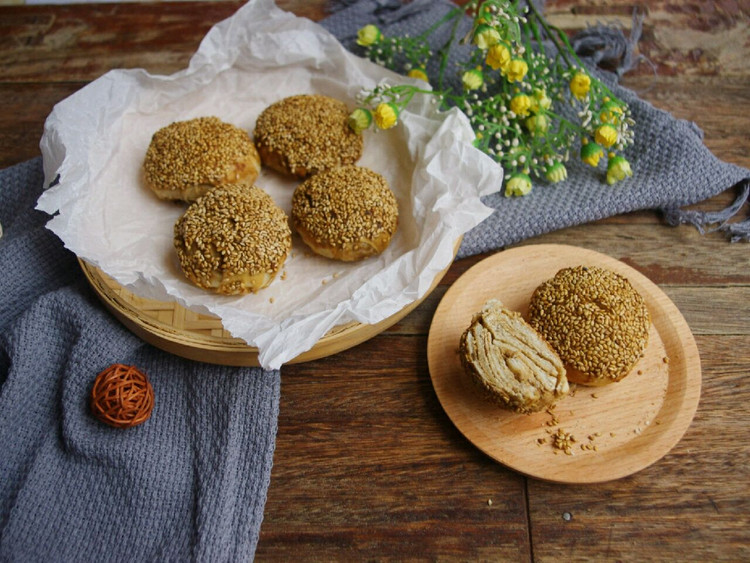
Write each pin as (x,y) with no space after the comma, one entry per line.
(122,396)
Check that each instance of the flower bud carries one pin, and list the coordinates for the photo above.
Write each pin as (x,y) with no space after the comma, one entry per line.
(580,84)
(386,115)
(368,35)
(606,135)
(359,120)
(591,153)
(486,36)
(618,169)
(610,112)
(556,172)
(418,73)
(516,70)
(520,104)
(472,79)
(537,124)
(518,185)
(498,56)
(540,100)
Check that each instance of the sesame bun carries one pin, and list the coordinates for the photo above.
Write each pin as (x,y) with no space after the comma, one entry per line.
(233,240)
(306,134)
(347,213)
(510,362)
(595,320)
(186,159)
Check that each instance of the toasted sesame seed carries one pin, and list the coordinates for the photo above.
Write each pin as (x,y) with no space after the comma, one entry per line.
(232,240)
(202,152)
(595,320)
(306,134)
(347,213)
(562,440)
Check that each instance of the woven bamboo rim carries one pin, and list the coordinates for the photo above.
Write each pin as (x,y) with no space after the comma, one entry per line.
(197,336)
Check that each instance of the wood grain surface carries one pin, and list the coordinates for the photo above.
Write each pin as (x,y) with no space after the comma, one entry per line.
(367,465)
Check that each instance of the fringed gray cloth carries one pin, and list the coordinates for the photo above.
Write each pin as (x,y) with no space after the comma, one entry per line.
(672,167)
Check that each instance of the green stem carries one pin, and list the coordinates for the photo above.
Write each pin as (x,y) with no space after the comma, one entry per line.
(445,51)
(556,35)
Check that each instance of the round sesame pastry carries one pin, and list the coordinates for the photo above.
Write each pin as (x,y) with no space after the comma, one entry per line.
(306,134)
(233,240)
(596,321)
(510,362)
(186,159)
(348,213)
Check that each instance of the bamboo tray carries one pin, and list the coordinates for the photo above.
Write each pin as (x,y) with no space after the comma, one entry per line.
(619,428)
(196,336)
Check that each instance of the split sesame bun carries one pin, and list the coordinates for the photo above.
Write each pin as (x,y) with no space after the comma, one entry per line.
(186,159)
(510,362)
(233,240)
(348,213)
(595,320)
(306,134)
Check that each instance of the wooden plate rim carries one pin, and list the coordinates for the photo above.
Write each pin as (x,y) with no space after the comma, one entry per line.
(683,387)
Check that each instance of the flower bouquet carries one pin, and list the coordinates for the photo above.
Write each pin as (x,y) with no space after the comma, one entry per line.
(530,100)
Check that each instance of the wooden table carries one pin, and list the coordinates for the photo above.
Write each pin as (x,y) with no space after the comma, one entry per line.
(367,464)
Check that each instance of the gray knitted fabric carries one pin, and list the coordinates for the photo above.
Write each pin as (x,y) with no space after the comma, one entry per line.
(189,483)
(672,167)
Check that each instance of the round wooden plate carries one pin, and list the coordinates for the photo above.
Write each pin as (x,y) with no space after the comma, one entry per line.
(196,336)
(618,429)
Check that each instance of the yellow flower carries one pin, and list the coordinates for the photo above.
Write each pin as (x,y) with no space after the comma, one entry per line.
(359,120)
(606,135)
(556,172)
(516,70)
(591,153)
(472,79)
(486,36)
(580,84)
(368,35)
(418,73)
(537,123)
(540,100)
(617,169)
(610,112)
(520,104)
(386,115)
(498,56)
(518,185)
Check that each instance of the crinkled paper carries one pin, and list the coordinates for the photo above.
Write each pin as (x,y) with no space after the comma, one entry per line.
(95,141)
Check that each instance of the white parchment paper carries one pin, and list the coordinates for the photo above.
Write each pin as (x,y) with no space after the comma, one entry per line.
(94,143)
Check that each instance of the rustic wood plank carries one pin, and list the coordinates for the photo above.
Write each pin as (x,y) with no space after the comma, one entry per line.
(384,472)
(675,509)
(80,42)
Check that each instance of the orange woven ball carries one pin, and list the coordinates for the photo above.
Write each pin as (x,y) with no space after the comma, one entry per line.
(122,396)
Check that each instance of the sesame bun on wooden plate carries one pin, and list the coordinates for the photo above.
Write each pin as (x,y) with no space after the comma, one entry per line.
(593,434)
(510,362)
(595,320)
(306,134)
(186,159)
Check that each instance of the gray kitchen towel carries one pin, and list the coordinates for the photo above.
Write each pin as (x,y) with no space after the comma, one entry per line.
(672,167)
(188,484)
